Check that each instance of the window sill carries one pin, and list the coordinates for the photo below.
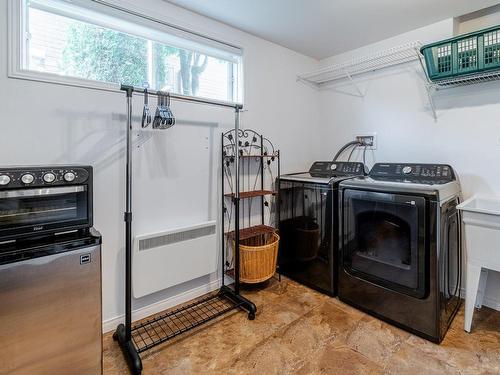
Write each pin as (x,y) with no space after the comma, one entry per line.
(29,75)
(60,80)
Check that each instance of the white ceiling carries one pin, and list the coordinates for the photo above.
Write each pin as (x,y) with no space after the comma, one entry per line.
(322,28)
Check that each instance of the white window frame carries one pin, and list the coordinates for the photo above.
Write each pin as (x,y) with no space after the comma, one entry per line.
(17,44)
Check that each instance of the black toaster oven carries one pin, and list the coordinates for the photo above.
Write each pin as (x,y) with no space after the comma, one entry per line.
(42,200)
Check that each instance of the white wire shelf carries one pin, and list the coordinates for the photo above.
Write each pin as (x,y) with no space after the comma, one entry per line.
(465,80)
(346,70)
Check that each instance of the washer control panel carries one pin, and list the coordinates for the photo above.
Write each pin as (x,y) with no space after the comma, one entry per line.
(341,168)
(25,177)
(423,172)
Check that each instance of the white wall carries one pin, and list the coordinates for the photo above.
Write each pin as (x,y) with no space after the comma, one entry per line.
(488,17)
(45,123)
(465,135)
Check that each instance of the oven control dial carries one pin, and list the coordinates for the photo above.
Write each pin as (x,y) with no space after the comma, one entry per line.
(69,177)
(407,170)
(4,180)
(27,178)
(49,177)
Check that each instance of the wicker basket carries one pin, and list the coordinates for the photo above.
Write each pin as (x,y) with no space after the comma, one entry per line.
(258,256)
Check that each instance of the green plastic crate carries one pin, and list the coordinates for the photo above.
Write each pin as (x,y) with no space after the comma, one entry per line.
(466,54)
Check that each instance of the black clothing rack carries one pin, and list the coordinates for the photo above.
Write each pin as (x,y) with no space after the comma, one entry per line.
(134,340)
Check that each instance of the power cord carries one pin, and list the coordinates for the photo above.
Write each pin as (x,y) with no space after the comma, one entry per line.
(352,151)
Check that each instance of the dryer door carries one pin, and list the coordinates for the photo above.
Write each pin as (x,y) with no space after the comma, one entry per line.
(384,240)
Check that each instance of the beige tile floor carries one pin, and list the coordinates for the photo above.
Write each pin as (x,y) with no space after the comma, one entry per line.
(300,331)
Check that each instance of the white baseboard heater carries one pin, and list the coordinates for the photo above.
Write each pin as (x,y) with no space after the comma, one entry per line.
(172,257)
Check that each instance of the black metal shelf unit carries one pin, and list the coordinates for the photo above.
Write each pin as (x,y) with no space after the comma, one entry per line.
(240,147)
(149,333)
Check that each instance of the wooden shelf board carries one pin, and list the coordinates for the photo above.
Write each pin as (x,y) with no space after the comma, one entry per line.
(252,156)
(253,231)
(252,194)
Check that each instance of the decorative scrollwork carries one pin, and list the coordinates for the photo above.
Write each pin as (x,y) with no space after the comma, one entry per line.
(250,143)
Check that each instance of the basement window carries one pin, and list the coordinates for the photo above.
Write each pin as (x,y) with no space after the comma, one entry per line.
(87,43)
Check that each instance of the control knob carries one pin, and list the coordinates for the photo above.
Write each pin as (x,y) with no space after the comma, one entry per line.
(69,177)
(4,180)
(407,170)
(333,167)
(49,177)
(27,178)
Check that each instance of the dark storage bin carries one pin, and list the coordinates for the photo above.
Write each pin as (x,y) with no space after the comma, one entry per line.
(465,54)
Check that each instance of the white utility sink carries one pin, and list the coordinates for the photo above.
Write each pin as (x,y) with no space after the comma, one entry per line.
(481,217)
(487,206)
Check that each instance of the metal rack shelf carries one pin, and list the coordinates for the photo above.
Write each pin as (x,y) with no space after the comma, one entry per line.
(164,327)
(259,178)
(347,70)
(251,145)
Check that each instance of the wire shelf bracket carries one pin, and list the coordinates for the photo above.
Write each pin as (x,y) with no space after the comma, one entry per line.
(433,87)
(348,70)
(461,81)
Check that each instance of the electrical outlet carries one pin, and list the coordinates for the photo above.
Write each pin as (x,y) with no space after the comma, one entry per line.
(367,139)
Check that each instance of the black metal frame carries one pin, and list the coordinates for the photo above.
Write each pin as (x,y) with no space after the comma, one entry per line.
(157,330)
(233,144)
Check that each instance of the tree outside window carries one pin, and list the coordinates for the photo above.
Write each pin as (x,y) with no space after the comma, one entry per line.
(105,55)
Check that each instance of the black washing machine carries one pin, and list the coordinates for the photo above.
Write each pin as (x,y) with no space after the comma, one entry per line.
(400,246)
(308,223)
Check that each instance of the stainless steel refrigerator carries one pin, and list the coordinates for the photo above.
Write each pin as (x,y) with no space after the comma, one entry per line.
(50,305)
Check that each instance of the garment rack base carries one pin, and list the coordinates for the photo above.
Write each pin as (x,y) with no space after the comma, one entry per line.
(165,326)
